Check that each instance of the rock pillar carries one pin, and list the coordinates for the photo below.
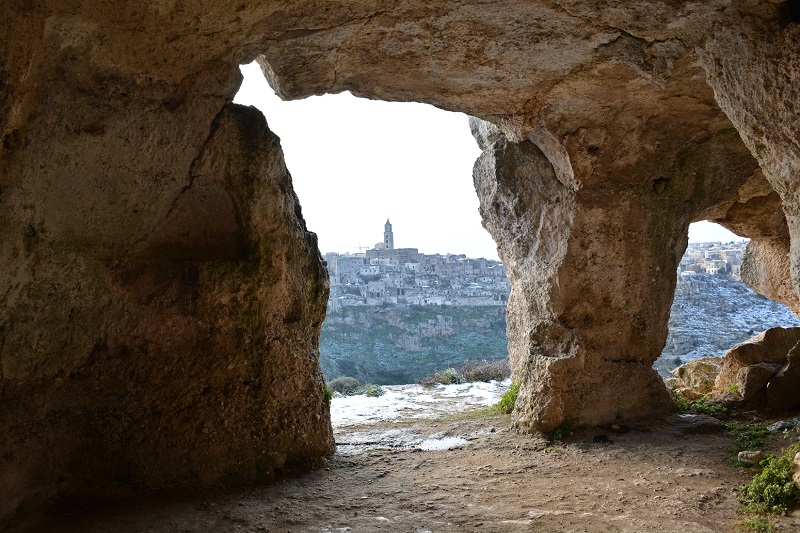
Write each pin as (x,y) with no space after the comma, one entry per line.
(143,347)
(593,273)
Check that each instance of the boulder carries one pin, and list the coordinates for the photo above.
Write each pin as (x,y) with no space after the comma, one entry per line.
(796,469)
(770,346)
(750,457)
(751,382)
(699,374)
(783,390)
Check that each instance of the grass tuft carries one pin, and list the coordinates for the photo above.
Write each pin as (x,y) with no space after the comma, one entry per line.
(509,399)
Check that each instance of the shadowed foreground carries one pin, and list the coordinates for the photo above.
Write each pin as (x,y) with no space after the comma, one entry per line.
(673,477)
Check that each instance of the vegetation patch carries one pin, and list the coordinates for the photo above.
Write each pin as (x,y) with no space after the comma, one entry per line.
(772,491)
(757,523)
(373,391)
(746,437)
(701,406)
(506,403)
(563,431)
(328,396)
(345,385)
(471,371)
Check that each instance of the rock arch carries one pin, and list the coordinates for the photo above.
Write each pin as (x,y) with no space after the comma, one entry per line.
(161,297)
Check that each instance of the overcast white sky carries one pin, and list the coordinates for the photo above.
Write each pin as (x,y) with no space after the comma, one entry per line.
(356,162)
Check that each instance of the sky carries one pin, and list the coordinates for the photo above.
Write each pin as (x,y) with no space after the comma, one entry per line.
(356,162)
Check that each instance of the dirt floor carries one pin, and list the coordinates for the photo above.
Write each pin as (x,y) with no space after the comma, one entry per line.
(398,477)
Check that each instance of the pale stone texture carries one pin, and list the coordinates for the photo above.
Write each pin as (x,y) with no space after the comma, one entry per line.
(156,332)
(771,347)
(699,374)
(751,56)
(161,298)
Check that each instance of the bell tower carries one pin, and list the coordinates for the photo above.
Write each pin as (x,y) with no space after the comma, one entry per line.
(388,236)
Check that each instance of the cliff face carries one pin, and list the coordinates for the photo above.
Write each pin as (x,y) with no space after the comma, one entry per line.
(161,297)
(394,344)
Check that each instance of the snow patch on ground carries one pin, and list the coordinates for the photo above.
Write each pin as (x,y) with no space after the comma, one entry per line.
(402,402)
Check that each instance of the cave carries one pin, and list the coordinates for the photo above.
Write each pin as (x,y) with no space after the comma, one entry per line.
(162,297)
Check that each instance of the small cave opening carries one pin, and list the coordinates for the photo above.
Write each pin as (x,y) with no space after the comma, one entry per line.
(417,292)
(713,309)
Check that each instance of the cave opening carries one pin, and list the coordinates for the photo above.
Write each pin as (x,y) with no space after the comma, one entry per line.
(713,309)
(417,292)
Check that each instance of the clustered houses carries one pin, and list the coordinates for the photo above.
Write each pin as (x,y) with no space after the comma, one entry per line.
(713,258)
(389,275)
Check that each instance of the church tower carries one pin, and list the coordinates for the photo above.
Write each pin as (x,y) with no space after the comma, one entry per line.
(388,237)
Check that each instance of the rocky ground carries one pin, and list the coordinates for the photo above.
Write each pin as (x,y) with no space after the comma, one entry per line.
(468,472)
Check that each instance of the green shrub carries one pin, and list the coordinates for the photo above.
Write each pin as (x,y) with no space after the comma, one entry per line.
(745,438)
(328,396)
(773,490)
(373,391)
(734,388)
(345,385)
(506,403)
(451,376)
(563,431)
(683,403)
(700,406)
(472,370)
(448,376)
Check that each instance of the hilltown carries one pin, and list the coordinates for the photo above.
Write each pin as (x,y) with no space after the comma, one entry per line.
(388,275)
(713,258)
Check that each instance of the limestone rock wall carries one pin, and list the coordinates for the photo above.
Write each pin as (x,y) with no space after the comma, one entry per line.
(189,359)
(161,297)
(751,56)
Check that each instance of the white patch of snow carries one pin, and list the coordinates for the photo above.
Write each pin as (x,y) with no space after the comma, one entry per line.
(414,401)
(444,443)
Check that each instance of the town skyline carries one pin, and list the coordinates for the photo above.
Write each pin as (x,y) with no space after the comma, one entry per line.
(406,161)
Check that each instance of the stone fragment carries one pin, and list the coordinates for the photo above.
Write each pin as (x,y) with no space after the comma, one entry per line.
(696,424)
(750,457)
(699,374)
(796,470)
(785,425)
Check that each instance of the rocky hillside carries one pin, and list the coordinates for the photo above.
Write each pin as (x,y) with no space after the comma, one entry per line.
(711,314)
(394,344)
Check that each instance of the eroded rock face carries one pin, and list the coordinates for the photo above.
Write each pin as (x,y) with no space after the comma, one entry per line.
(161,298)
(768,348)
(699,374)
(186,354)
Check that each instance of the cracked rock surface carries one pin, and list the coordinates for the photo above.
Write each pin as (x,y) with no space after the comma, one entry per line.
(161,298)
